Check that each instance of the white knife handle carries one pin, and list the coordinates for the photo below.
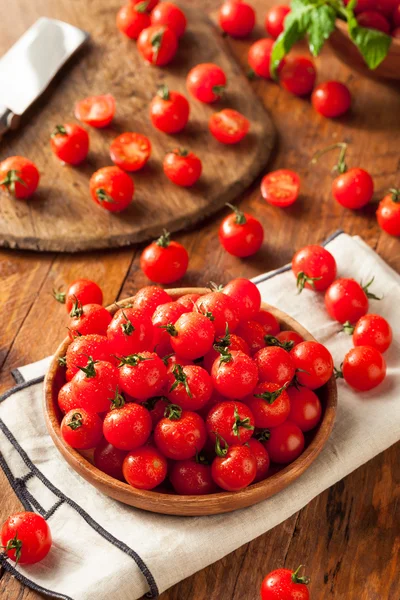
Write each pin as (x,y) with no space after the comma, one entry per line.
(8,120)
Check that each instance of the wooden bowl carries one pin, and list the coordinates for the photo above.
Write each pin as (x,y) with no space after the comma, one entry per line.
(173,504)
(348,53)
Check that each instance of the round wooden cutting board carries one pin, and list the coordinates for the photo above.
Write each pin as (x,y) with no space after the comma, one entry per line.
(61,216)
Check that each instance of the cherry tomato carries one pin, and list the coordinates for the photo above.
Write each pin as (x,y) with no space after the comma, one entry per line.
(83,291)
(285,443)
(305,408)
(374,331)
(65,398)
(268,321)
(169,111)
(70,143)
(130,151)
(149,297)
(156,407)
(275,365)
(81,429)
(188,300)
(363,368)
(97,111)
(253,333)
(241,234)
(170,15)
(164,261)
(192,335)
(230,342)
(313,364)
(331,99)
(234,374)
(298,75)
(245,295)
(129,332)
(280,188)
(132,19)
(234,468)
(192,477)
(385,7)
(143,375)
(232,421)
(237,19)
(347,300)
(259,58)
(145,468)
(109,459)
(228,126)
(157,44)
(284,584)
(150,4)
(269,404)
(289,337)
(221,309)
(26,538)
(182,167)
(164,314)
(314,268)
(94,386)
(262,459)
(353,189)
(206,82)
(19,176)
(275,20)
(112,189)
(388,213)
(181,434)
(88,319)
(128,427)
(189,386)
(372,19)
(79,350)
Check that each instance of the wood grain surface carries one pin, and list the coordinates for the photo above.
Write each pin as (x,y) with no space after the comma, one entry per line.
(348,536)
(62,216)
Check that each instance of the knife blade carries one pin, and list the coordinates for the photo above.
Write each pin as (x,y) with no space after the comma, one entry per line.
(29,66)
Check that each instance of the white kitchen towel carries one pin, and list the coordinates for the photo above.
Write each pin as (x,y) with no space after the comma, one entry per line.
(103,549)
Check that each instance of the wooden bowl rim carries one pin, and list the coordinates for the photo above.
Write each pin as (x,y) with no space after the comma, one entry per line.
(342,27)
(191,505)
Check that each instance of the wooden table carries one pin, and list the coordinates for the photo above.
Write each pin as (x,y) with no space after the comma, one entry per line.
(348,536)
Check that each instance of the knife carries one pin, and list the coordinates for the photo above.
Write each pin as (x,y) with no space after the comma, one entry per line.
(30,65)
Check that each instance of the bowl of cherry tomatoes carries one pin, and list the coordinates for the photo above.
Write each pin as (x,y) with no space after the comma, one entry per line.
(189,401)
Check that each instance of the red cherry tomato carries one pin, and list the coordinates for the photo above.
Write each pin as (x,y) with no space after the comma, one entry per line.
(245,295)
(81,348)
(353,189)
(192,477)
(112,189)
(128,427)
(234,375)
(230,342)
(97,111)
(156,407)
(162,316)
(363,368)
(83,291)
(188,300)
(181,434)
(275,20)
(372,19)
(19,176)
(143,375)
(253,333)
(314,268)
(94,386)
(132,19)
(234,468)
(149,297)
(280,188)
(170,15)
(157,44)
(65,398)
(182,167)
(268,321)
(286,337)
(26,538)
(331,99)
(228,126)
(275,365)
(88,319)
(347,300)
(374,331)
(164,261)
(284,584)
(385,7)
(129,332)
(169,111)
(81,429)
(145,468)
(298,75)
(237,19)
(109,459)
(305,408)
(192,335)
(269,404)
(220,309)
(259,58)
(206,82)
(388,213)
(313,364)
(285,443)
(233,421)
(190,387)
(241,234)
(130,151)
(149,4)
(70,143)
(262,459)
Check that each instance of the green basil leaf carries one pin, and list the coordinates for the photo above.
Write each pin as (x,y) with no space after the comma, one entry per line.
(322,23)
(372,44)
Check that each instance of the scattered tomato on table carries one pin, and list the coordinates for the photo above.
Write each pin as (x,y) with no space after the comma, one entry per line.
(259,58)
(280,188)
(363,368)
(26,538)
(170,15)
(84,291)
(275,20)
(182,167)
(130,151)
(331,99)
(228,126)
(111,188)
(132,19)
(164,260)
(70,143)
(314,268)
(157,44)
(236,19)
(19,176)
(206,82)
(169,110)
(388,213)
(284,584)
(298,75)
(97,111)
(347,300)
